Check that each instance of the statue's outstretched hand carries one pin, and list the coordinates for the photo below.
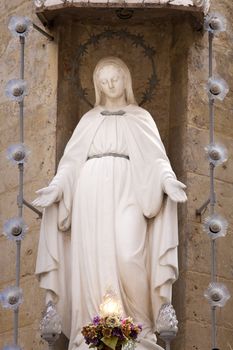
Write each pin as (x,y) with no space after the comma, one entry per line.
(175,190)
(47,196)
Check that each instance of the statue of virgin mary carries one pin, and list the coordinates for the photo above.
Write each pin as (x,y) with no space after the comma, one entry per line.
(110,214)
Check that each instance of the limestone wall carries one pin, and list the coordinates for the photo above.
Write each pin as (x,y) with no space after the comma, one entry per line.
(193,311)
(179,107)
(40,122)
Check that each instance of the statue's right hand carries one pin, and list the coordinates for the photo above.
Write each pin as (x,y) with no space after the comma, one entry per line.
(47,196)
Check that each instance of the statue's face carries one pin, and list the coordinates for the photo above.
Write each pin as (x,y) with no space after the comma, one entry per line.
(112,83)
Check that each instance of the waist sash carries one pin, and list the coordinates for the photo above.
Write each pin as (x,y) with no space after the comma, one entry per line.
(108,155)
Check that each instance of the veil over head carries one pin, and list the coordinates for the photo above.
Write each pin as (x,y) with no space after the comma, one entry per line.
(117,62)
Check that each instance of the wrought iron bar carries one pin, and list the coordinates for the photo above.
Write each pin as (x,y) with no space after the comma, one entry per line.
(200,210)
(32,208)
(40,30)
(20,194)
(212,194)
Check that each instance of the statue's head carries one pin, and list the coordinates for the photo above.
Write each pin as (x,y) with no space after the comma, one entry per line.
(112,78)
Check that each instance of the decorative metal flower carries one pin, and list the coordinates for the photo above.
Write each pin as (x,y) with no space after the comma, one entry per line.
(15,229)
(11,297)
(215,226)
(16,89)
(17,153)
(94,39)
(215,23)
(217,154)
(138,40)
(51,322)
(217,294)
(122,33)
(19,25)
(167,321)
(39,3)
(181,2)
(217,88)
(11,347)
(109,33)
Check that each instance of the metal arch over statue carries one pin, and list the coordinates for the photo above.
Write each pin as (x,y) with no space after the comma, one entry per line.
(110,214)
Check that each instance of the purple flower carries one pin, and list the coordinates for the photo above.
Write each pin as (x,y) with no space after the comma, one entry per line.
(96,341)
(87,340)
(133,334)
(96,320)
(117,332)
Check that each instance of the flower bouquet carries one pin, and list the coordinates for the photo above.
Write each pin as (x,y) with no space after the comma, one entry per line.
(111,332)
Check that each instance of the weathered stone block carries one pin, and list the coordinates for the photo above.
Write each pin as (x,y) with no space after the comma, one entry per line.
(196,159)
(29,337)
(198,193)
(30,309)
(28,255)
(198,337)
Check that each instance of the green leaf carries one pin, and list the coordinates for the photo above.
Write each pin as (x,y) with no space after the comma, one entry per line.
(110,342)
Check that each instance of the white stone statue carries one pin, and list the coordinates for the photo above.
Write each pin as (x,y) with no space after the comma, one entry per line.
(110,213)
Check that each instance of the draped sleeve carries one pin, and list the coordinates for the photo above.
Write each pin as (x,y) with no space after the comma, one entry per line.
(149,162)
(53,258)
(150,167)
(70,165)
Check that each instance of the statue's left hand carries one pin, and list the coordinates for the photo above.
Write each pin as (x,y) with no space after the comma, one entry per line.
(175,190)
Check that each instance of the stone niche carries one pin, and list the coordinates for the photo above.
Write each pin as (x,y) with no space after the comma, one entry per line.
(151,36)
(155,43)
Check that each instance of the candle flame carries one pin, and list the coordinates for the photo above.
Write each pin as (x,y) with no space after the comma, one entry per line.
(111,304)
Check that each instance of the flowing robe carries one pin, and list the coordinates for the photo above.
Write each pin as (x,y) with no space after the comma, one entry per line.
(113,224)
